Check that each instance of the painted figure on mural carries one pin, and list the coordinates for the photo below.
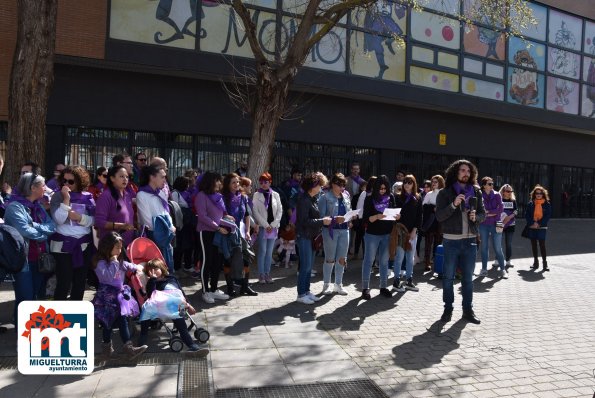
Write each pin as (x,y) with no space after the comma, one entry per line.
(591,78)
(564,62)
(489,38)
(176,13)
(379,19)
(523,87)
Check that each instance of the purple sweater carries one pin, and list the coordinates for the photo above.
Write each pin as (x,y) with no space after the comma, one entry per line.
(106,211)
(493,205)
(113,273)
(208,214)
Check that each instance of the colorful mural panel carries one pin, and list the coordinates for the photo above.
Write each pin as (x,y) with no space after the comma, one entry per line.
(589,44)
(526,53)
(562,95)
(589,70)
(329,52)
(565,30)
(385,17)
(434,79)
(535,31)
(377,56)
(588,101)
(446,6)
(434,29)
(563,63)
(525,87)
(481,88)
(484,42)
(167,22)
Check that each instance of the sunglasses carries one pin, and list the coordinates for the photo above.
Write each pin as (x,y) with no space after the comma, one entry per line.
(490,184)
(69,181)
(142,160)
(408,182)
(538,193)
(103,175)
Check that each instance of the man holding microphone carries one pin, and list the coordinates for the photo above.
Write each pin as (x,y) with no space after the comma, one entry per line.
(459,209)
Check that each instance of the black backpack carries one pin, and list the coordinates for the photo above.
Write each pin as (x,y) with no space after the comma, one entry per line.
(13,250)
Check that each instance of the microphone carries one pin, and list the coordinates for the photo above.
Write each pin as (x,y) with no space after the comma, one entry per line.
(473,203)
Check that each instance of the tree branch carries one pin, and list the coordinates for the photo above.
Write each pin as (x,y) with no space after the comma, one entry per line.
(250,26)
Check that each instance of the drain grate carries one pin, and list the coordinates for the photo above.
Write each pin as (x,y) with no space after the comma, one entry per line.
(7,363)
(194,378)
(342,389)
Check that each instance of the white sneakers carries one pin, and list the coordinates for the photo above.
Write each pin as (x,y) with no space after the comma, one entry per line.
(326,290)
(504,274)
(339,290)
(210,297)
(308,298)
(483,272)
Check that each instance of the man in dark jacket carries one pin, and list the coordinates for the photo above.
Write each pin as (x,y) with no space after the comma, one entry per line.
(459,209)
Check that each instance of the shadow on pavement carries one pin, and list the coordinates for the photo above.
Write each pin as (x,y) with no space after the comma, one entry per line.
(531,275)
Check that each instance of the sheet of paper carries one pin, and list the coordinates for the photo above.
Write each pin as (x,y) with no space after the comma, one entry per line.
(390,214)
(351,214)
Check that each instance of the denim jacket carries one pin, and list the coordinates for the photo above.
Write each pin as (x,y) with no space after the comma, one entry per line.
(328,204)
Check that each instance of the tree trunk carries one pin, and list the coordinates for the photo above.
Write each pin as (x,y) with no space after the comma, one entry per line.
(271,99)
(30,84)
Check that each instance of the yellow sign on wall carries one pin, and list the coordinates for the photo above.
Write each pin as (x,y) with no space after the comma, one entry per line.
(442,139)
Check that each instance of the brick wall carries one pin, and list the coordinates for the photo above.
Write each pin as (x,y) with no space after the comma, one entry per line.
(81,32)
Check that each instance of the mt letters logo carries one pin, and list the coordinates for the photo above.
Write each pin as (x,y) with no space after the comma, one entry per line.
(56,337)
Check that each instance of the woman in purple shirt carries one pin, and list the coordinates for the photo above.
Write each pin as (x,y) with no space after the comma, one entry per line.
(210,210)
(114,211)
(492,226)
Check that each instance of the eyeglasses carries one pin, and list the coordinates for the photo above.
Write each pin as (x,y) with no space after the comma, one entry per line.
(103,175)
(408,182)
(69,181)
(490,184)
(142,160)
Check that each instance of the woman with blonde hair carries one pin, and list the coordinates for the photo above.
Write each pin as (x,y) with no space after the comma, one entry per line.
(508,219)
(537,214)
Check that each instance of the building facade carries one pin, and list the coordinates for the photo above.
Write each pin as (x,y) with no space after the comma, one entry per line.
(139,75)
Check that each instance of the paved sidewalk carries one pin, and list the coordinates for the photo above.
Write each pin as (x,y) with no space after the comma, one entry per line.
(536,338)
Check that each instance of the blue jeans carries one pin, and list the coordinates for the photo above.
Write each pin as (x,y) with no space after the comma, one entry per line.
(461,253)
(335,248)
(29,284)
(409,254)
(375,244)
(265,252)
(122,323)
(485,231)
(304,246)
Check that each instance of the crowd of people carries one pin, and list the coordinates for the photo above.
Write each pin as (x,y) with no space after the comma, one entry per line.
(215,222)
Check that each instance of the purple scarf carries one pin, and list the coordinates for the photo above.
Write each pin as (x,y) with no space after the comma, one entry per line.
(148,189)
(357,179)
(84,198)
(187,196)
(217,199)
(234,206)
(293,183)
(37,212)
(382,204)
(409,196)
(467,190)
(267,196)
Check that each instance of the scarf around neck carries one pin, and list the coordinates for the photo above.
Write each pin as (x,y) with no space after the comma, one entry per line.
(467,190)
(538,212)
(217,199)
(382,204)
(358,180)
(267,196)
(148,189)
(409,197)
(84,198)
(234,205)
(35,208)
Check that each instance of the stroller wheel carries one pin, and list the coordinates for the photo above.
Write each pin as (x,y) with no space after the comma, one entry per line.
(176,344)
(202,335)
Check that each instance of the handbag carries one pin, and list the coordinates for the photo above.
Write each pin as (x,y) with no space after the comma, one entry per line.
(317,242)
(525,232)
(46,263)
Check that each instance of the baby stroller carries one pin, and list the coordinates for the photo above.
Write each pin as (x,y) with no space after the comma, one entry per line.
(139,252)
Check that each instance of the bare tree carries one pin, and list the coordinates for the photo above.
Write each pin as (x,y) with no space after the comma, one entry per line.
(263,95)
(31,80)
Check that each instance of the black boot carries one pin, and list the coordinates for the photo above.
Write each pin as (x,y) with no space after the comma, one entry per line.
(230,290)
(545,267)
(247,289)
(535,264)
(469,315)
(446,315)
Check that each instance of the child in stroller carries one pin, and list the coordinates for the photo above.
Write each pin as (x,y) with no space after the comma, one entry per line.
(171,303)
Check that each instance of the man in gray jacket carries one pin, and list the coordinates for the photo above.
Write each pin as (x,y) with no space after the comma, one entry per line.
(459,209)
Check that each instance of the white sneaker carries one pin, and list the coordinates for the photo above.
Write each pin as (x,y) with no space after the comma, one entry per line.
(305,300)
(483,272)
(339,290)
(326,289)
(504,274)
(495,264)
(208,298)
(312,297)
(509,264)
(219,295)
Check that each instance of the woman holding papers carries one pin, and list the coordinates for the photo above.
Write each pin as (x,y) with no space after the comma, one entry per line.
(73,211)
(335,203)
(377,235)
(411,210)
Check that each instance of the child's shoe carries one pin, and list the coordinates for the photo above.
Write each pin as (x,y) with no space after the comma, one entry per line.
(133,352)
